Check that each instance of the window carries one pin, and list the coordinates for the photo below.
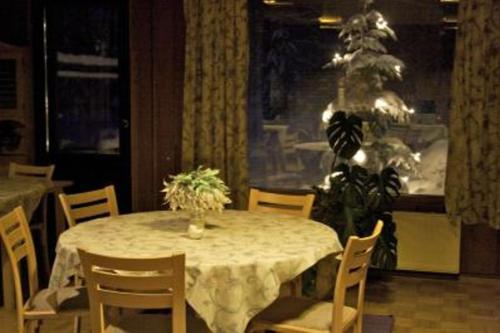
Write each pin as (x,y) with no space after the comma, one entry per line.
(84,59)
(290,88)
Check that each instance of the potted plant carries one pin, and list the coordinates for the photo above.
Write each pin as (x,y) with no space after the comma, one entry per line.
(367,157)
(352,200)
(197,192)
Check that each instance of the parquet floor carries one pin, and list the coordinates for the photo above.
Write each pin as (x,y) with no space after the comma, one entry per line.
(425,305)
(419,305)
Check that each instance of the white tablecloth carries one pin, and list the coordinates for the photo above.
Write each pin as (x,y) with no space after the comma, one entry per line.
(21,191)
(232,273)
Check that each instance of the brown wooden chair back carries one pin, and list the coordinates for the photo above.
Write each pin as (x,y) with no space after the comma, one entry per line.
(24,170)
(299,205)
(18,243)
(352,271)
(87,205)
(152,283)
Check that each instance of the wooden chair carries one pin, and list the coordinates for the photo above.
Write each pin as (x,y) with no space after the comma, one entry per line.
(295,314)
(40,219)
(41,304)
(299,205)
(87,205)
(16,170)
(153,283)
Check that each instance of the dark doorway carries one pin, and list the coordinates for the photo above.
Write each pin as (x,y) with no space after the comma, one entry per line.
(82,92)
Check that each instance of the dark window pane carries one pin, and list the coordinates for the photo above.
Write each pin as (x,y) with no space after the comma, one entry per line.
(8,85)
(290,89)
(83,49)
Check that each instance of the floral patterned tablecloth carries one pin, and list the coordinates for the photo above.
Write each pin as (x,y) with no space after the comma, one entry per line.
(21,191)
(232,273)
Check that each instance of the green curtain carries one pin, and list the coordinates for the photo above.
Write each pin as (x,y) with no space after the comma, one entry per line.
(214,130)
(473,171)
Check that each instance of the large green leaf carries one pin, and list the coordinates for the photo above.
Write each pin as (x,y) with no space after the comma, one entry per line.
(385,252)
(345,134)
(349,181)
(383,189)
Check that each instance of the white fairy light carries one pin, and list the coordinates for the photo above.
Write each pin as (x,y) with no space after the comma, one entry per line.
(381,23)
(381,104)
(397,69)
(326,183)
(417,156)
(337,58)
(335,174)
(405,179)
(327,115)
(360,157)
(405,109)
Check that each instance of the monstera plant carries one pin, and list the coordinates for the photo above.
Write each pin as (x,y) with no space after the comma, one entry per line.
(352,199)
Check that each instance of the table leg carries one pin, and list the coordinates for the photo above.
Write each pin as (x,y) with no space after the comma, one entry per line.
(325,276)
(8,281)
(59,214)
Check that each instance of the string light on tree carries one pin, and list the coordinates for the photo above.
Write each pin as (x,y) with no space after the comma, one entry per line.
(381,23)
(367,66)
(360,157)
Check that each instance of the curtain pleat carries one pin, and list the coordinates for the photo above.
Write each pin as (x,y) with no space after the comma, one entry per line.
(473,170)
(214,130)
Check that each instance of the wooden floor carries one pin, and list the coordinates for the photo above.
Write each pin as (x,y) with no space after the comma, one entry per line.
(419,305)
(424,305)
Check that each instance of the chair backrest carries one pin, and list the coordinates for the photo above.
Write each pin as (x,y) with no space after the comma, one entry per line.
(16,170)
(152,283)
(18,243)
(300,205)
(352,271)
(87,205)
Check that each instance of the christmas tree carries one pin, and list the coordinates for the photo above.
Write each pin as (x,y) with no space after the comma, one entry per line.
(367,66)
(369,160)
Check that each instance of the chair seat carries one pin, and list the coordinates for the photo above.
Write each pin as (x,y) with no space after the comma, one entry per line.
(153,323)
(70,300)
(304,313)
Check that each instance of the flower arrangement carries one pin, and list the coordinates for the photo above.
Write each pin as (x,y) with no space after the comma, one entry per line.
(197,191)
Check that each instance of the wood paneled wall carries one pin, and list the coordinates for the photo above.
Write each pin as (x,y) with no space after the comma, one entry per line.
(480,250)
(16,41)
(157,74)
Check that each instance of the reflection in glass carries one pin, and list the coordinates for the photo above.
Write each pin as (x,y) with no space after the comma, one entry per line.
(289,90)
(83,49)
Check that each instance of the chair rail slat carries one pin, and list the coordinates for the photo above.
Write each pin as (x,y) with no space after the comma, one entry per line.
(135,300)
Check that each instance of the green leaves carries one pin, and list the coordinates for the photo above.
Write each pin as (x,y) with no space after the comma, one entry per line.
(345,134)
(382,189)
(385,253)
(353,204)
(197,190)
(350,181)
(389,66)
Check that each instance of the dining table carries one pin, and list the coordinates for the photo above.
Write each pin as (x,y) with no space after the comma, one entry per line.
(232,273)
(26,192)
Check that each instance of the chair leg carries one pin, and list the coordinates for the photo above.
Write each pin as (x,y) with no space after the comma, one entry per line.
(77,324)
(37,326)
(297,286)
(30,326)
(358,325)
(254,329)
(45,246)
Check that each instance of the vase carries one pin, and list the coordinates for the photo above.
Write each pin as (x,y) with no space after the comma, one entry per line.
(196,227)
